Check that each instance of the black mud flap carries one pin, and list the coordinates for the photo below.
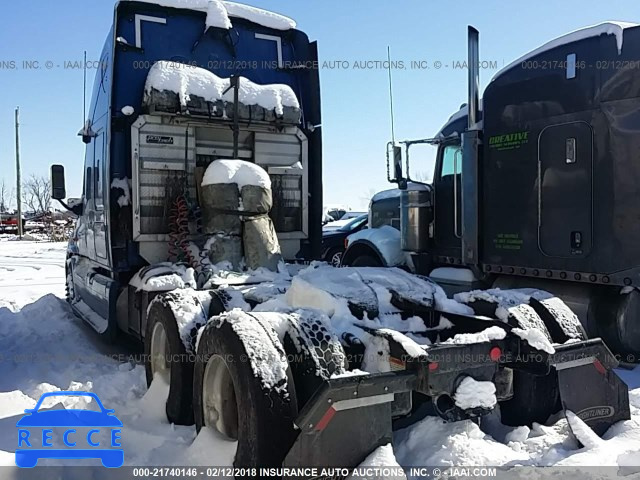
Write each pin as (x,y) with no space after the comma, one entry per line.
(589,387)
(357,404)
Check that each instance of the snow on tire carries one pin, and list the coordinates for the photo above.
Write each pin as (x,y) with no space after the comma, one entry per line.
(242,388)
(314,352)
(535,397)
(172,323)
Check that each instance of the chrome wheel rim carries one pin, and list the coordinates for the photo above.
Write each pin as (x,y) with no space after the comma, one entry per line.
(219,404)
(336,259)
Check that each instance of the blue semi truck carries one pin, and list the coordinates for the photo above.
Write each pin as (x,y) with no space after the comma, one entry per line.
(133,148)
(185,86)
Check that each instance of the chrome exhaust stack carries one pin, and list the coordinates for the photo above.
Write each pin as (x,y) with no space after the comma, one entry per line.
(468,212)
(473,48)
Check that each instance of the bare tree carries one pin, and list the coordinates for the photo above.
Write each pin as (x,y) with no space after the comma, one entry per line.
(36,194)
(6,196)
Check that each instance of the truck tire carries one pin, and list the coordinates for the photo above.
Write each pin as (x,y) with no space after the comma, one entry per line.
(232,395)
(314,353)
(162,339)
(535,397)
(366,261)
(561,322)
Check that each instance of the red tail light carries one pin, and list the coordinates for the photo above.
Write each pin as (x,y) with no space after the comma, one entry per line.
(495,353)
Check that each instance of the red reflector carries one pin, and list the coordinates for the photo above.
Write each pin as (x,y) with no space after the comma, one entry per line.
(433,366)
(495,353)
(599,367)
(326,418)
(346,243)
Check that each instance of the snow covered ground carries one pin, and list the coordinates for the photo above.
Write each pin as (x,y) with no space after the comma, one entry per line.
(44,348)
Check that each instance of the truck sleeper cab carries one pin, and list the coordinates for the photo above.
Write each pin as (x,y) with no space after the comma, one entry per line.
(534,190)
(141,151)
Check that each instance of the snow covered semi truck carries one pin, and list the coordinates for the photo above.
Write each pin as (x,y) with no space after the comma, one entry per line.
(159,116)
(201,178)
(533,185)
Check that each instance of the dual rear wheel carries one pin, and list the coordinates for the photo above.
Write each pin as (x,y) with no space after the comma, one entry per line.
(228,384)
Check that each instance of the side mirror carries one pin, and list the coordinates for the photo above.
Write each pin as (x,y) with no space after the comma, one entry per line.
(58,190)
(397,163)
(87,133)
(394,151)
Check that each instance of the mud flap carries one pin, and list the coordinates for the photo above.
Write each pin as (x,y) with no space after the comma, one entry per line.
(589,387)
(360,404)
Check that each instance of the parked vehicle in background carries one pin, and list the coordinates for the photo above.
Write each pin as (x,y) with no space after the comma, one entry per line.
(334,239)
(379,245)
(344,220)
(9,222)
(531,199)
(333,213)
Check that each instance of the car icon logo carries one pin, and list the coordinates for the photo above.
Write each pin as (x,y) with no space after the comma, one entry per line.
(83,436)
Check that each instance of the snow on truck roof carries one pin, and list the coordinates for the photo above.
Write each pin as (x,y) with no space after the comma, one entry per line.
(219,11)
(202,83)
(605,28)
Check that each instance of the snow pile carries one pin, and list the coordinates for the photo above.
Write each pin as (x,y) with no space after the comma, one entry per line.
(303,294)
(211,448)
(387,239)
(473,394)
(508,298)
(376,354)
(535,338)
(218,16)
(583,433)
(123,184)
(382,460)
(163,277)
(436,443)
(412,348)
(44,348)
(185,82)
(605,28)
(154,401)
(261,17)
(27,268)
(240,172)
(488,335)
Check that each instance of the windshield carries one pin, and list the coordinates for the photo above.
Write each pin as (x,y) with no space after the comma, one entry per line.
(353,224)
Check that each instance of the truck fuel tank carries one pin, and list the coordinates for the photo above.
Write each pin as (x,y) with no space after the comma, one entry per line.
(416,214)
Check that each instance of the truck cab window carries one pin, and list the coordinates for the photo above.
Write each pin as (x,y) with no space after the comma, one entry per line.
(451,160)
